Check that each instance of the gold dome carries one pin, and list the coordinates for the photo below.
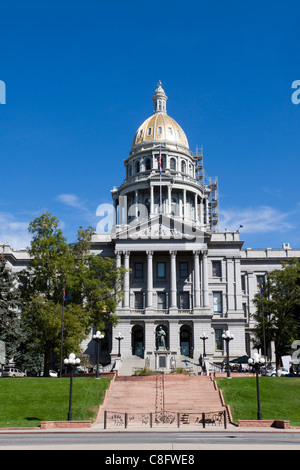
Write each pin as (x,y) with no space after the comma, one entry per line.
(160,127)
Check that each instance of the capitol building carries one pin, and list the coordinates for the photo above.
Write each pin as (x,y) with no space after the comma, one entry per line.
(185,279)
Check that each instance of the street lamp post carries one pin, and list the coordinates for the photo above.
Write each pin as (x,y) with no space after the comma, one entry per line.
(204,337)
(119,337)
(72,362)
(97,338)
(227,336)
(256,362)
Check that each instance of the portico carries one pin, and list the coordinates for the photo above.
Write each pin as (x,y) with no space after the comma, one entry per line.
(151,272)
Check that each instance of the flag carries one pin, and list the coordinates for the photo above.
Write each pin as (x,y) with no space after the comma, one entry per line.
(64,294)
(261,290)
(159,160)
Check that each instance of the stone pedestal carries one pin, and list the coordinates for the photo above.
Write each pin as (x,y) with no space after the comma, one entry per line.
(162,359)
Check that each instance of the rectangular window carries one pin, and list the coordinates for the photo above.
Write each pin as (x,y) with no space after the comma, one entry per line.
(216,269)
(138,299)
(159,130)
(161,301)
(161,270)
(138,271)
(219,340)
(243,281)
(217,296)
(183,270)
(184,300)
(149,130)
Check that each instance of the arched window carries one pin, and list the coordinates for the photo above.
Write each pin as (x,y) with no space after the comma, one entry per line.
(148,164)
(137,166)
(172,164)
(186,341)
(137,341)
(183,166)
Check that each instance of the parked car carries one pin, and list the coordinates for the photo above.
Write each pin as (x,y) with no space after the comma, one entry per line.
(280,372)
(12,372)
(52,373)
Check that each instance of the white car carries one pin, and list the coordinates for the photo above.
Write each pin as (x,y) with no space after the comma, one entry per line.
(280,372)
(12,372)
(52,373)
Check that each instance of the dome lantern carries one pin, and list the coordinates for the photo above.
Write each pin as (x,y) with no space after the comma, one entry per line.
(160,100)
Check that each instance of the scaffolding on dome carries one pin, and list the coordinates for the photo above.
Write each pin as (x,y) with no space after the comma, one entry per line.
(209,185)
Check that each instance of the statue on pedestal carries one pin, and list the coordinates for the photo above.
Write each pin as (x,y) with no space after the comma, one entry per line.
(161,338)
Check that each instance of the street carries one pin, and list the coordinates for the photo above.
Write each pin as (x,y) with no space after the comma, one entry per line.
(153,442)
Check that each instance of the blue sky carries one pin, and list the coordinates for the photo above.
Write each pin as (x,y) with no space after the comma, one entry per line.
(80,76)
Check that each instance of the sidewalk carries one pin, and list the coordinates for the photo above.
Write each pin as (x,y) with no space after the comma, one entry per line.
(98,428)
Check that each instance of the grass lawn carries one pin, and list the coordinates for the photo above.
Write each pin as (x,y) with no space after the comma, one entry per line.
(279,396)
(25,402)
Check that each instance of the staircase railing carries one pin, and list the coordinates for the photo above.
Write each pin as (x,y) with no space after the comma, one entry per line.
(168,418)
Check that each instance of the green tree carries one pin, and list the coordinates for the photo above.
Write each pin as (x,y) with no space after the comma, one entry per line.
(10,301)
(278,308)
(66,278)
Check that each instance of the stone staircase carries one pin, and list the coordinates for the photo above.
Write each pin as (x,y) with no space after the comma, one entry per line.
(161,393)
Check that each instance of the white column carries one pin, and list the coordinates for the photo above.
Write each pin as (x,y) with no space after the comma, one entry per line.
(196,208)
(230,285)
(115,214)
(196,280)
(169,199)
(151,199)
(205,279)
(173,281)
(150,339)
(126,280)
(201,211)
(174,339)
(238,284)
(184,204)
(118,265)
(136,203)
(149,279)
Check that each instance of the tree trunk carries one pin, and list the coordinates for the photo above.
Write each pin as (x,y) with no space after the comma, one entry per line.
(277,357)
(47,358)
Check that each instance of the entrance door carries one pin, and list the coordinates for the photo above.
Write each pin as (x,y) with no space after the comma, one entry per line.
(138,341)
(185,341)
